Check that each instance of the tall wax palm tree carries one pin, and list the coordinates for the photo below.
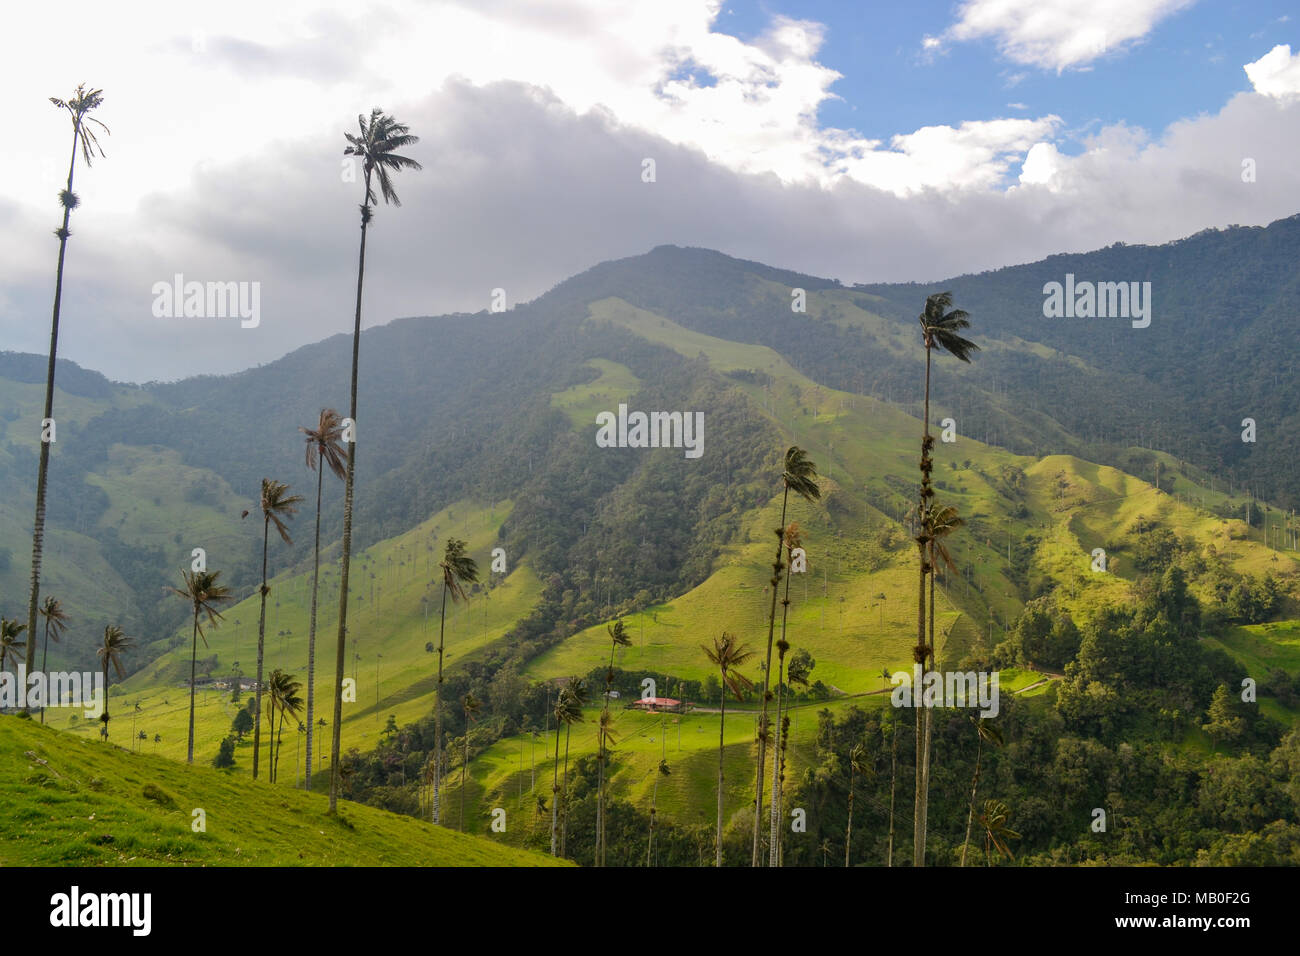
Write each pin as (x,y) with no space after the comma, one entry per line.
(727,654)
(994,822)
(458,569)
(471,706)
(78,108)
(798,673)
(860,764)
(778,847)
(10,631)
(940,326)
(323,451)
(792,540)
(576,688)
(664,771)
(799,474)
(273,685)
(940,522)
(110,651)
(539,810)
(203,592)
(607,739)
(56,621)
(893,781)
(283,691)
(618,637)
(985,732)
(379,136)
(276,505)
(567,711)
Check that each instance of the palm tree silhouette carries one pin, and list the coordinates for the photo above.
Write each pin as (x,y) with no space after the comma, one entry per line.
(110,651)
(323,450)
(618,637)
(576,688)
(276,504)
(471,706)
(458,569)
(860,764)
(985,732)
(9,643)
(78,108)
(283,690)
(939,328)
(993,821)
(726,654)
(203,592)
(56,621)
(379,136)
(799,474)
(568,710)
(792,539)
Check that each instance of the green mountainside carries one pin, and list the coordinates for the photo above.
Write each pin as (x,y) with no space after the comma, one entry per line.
(1066,437)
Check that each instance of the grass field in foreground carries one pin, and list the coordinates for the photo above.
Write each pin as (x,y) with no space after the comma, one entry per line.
(71,802)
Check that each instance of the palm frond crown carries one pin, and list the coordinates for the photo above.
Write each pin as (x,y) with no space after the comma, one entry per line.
(277,504)
(800,474)
(458,568)
(324,443)
(939,327)
(115,642)
(380,135)
(78,107)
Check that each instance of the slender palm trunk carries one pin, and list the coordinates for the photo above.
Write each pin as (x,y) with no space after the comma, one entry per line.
(779,846)
(261,642)
(848,831)
(970,815)
(918,845)
(339,658)
(105,718)
(767,667)
(270,736)
(311,629)
(654,796)
(45,650)
(600,761)
(194,655)
(774,834)
(929,715)
(279,745)
(922,713)
(42,473)
(600,794)
(555,794)
(722,730)
(464,765)
(437,716)
(564,816)
(893,779)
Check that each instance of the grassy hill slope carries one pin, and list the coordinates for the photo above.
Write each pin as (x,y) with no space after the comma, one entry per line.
(71,802)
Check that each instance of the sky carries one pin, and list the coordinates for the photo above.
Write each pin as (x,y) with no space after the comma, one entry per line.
(862,141)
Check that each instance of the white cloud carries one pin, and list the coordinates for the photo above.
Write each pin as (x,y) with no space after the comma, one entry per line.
(1042,162)
(1060,34)
(533,119)
(1276,73)
(184,94)
(974,155)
